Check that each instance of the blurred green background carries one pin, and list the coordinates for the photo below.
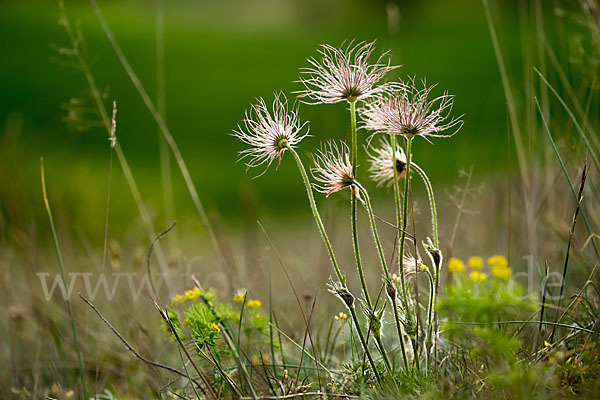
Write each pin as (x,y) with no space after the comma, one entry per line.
(219,56)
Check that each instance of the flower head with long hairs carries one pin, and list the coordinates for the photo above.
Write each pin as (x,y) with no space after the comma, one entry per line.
(333,170)
(408,112)
(269,134)
(382,163)
(345,74)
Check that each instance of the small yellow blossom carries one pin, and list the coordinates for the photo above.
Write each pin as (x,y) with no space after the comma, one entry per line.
(192,294)
(498,261)
(341,316)
(396,278)
(475,263)
(456,266)
(239,297)
(186,321)
(69,394)
(215,327)
(254,304)
(178,299)
(501,272)
(477,277)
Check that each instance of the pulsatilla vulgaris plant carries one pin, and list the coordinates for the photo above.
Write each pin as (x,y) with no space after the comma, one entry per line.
(397,112)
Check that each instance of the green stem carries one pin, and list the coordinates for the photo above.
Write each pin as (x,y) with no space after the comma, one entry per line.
(430,319)
(385,270)
(354,207)
(364,343)
(64,281)
(405,203)
(429,188)
(383,353)
(400,220)
(434,289)
(403,233)
(315,211)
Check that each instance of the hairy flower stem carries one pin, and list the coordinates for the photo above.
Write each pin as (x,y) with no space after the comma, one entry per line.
(364,343)
(433,294)
(400,220)
(430,319)
(386,360)
(402,232)
(315,211)
(353,205)
(386,270)
(431,203)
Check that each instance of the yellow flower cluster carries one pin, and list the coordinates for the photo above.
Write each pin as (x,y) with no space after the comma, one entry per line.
(239,296)
(456,266)
(215,327)
(475,263)
(499,267)
(254,304)
(477,277)
(190,295)
(341,316)
(396,278)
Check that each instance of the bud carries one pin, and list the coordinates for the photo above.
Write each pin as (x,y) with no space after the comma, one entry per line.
(390,289)
(341,292)
(433,252)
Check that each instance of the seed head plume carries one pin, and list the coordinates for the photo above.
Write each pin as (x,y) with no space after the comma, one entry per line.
(269,133)
(408,112)
(382,162)
(333,170)
(345,74)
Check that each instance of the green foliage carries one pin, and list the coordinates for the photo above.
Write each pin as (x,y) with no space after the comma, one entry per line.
(472,312)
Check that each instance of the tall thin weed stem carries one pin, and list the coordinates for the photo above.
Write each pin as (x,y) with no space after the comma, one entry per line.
(64,281)
(166,133)
(354,208)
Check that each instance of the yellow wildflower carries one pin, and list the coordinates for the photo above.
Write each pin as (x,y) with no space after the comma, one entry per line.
(177,299)
(192,294)
(477,277)
(341,316)
(254,304)
(186,321)
(501,272)
(497,261)
(215,327)
(396,278)
(475,263)
(456,266)
(239,297)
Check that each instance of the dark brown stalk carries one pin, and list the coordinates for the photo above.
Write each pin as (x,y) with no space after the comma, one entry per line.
(571,231)
(130,347)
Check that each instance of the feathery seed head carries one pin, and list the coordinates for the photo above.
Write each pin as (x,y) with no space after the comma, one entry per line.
(333,169)
(408,112)
(345,74)
(382,163)
(270,133)
(412,265)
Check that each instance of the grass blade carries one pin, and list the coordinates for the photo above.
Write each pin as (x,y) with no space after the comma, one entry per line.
(64,280)
(568,110)
(564,169)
